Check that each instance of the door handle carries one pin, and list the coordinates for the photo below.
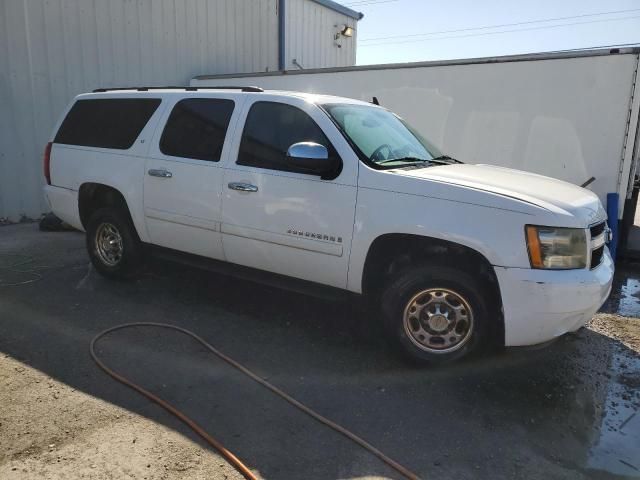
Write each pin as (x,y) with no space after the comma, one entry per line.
(162,173)
(242,187)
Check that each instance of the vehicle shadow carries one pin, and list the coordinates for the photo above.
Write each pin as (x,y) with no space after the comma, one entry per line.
(526,413)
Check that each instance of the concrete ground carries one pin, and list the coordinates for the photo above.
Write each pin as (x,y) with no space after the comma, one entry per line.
(565,411)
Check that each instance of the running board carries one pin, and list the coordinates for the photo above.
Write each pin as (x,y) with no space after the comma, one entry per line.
(263,277)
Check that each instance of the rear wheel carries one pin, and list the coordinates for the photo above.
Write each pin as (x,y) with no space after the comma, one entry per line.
(435,314)
(113,244)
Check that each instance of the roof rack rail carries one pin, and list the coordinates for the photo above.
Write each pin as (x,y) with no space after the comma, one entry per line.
(188,89)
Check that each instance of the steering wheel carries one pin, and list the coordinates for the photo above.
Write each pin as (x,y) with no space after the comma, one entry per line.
(377,153)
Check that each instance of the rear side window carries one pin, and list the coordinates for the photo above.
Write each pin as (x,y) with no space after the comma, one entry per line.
(196,128)
(106,122)
(271,128)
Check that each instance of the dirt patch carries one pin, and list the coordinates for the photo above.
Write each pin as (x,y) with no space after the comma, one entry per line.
(49,430)
(624,329)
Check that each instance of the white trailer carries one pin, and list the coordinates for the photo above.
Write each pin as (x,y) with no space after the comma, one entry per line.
(569,115)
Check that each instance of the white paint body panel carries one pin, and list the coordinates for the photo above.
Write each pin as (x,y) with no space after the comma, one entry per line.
(184,212)
(562,198)
(124,170)
(257,227)
(542,305)
(481,207)
(563,117)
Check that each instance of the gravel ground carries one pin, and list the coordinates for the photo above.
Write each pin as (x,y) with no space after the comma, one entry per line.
(564,411)
(51,430)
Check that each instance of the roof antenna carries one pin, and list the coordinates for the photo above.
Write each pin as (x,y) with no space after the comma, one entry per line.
(375,101)
(588,182)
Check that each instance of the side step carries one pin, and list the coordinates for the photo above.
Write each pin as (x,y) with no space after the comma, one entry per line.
(284,282)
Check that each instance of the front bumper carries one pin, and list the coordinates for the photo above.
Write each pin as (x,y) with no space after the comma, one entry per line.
(540,305)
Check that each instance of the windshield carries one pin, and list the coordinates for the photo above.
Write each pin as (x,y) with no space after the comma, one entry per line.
(382,138)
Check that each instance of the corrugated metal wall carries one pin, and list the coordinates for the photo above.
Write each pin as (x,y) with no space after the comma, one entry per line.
(51,50)
(310,34)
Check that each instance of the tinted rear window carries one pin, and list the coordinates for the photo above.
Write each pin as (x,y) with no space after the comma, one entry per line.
(106,122)
(196,128)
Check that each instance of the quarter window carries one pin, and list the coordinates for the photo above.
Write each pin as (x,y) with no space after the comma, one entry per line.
(106,122)
(271,128)
(197,128)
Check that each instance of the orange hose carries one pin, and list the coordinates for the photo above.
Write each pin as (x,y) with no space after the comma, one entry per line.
(231,458)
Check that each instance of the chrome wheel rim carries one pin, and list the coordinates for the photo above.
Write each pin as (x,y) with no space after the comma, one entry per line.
(108,243)
(438,320)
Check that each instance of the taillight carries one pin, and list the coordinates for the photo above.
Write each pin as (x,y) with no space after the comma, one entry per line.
(47,163)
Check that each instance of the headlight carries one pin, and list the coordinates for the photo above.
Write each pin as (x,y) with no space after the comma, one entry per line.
(556,248)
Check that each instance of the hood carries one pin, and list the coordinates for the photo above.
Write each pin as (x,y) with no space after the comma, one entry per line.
(557,196)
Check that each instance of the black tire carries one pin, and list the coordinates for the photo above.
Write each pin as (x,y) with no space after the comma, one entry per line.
(406,286)
(131,255)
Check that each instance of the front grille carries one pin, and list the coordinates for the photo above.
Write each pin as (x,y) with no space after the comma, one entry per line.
(597,229)
(598,240)
(596,256)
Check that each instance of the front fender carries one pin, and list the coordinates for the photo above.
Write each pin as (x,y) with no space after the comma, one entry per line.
(496,234)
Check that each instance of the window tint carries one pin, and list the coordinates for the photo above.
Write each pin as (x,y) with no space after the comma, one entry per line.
(196,128)
(106,122)
(381,136)
(271,128)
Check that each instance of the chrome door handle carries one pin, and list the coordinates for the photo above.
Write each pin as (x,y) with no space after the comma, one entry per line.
(242,187)
(162,173)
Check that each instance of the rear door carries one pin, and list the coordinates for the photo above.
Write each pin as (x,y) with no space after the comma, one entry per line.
(284,221)
(183,180)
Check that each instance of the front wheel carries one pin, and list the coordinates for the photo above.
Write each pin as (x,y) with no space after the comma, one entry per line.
(113,244)
(435,314)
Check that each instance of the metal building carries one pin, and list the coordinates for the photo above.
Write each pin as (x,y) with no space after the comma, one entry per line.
(52,50)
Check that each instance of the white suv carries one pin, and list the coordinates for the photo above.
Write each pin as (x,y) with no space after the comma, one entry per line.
(313,191)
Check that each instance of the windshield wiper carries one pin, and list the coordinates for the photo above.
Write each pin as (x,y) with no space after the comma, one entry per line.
(403,159)
(445,160)
(441,160)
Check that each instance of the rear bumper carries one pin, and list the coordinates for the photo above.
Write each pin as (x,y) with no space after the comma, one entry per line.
(540,305)
(64,204)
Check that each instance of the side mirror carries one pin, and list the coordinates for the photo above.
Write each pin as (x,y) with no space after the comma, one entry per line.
(310,157)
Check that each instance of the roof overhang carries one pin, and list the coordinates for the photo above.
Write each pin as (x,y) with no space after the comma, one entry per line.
(340,8)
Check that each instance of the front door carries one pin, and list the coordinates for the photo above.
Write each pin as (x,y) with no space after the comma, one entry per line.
(277,219)
(183,176)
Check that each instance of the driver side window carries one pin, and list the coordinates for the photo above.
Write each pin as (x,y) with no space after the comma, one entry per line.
(270,129)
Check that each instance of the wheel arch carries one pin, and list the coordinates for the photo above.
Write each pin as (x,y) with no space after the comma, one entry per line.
(93,196)
(390,253)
